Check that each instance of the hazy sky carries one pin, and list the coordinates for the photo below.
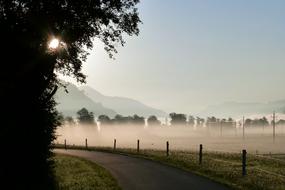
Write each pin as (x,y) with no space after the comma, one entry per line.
(194,53)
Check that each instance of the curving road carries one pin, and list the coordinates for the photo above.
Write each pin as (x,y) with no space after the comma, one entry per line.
(141,174)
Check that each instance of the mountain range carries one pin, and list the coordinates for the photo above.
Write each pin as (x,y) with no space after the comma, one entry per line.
(69,103)
(77,98)
(239,109)
(85,96)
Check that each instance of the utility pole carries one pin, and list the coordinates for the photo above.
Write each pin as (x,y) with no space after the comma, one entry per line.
(243,127)
(221,128)
(273,125)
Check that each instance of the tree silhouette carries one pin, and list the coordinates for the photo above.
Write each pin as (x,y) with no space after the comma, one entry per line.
(177,119)
(69,120)
(119,119)
(153,121)
(248,122)
(129,120)
(137,120)
(104,120)
(85,117)
(200,121)
(213,122)
(262,122)
(191,120)
(29,69)
(281,122)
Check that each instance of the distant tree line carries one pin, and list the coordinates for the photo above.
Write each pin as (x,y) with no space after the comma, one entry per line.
(121,120)
(256,122)
(281,122)
(176,119)
(216,122)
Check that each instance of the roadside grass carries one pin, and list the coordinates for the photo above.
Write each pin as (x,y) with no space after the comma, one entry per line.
(263,172)
(73,173)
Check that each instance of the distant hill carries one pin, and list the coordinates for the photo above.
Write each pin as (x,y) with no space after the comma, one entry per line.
(69,103)
(238,109)
(121,105)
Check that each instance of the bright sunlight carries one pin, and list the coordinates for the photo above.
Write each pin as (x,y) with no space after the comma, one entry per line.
(54,43)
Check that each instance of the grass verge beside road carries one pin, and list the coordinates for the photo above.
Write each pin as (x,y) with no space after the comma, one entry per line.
(72,173)
(263,172)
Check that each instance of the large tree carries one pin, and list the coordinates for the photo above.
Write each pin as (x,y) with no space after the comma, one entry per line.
(177,119)
(85,117)
(29,68)
(153,121)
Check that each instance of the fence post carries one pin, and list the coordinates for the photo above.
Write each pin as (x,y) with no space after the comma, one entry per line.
(115,144)
(243,129)
(86,145)
(243,162)
(200,154)
(138,146)
(273,124)
(167,148)
(65,144)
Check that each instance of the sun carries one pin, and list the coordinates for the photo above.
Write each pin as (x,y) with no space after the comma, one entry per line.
(54,43)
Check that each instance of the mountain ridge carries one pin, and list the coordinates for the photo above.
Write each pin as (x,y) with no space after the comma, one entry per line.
(69,103)
(122,105)
(237,109)
(100,104)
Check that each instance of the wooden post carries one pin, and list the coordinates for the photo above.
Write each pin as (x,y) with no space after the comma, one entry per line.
(138,146)
(243,127)
(243,162)
(235,126)
(221,128)
(200,154)
(273,125)
(115,144)
(167,148)
(65,144)
(86,145)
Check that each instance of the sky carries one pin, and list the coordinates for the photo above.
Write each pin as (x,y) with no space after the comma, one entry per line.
(194,53)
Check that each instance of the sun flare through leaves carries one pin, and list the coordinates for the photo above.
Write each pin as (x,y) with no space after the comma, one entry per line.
(54,43)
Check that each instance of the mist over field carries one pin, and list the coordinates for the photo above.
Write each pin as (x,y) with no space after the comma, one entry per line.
(256,140)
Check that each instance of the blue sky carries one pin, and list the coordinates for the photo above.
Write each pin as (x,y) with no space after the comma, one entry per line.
(195,53)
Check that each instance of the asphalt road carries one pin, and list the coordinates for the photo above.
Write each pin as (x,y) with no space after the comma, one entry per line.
(141,174)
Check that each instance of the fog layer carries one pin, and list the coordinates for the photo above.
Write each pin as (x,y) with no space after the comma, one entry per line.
(255,139)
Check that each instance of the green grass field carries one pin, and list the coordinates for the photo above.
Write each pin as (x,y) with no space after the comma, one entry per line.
(72,173)
(263,171)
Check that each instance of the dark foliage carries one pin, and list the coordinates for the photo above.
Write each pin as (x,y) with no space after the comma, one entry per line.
(28,79)
(200,122)
(85,117)
(121,120)
(191,120)
(104,120)
(261,122)
(137,120)
(218,123)
(69,120)
(177,119)
(281,122)
(153,121)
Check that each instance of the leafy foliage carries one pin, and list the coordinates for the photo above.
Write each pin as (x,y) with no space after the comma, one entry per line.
(28,74)
(104,120)
(69,120)
(177,119)
(256,122)
(121,120)
(153,121)
(85,117)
